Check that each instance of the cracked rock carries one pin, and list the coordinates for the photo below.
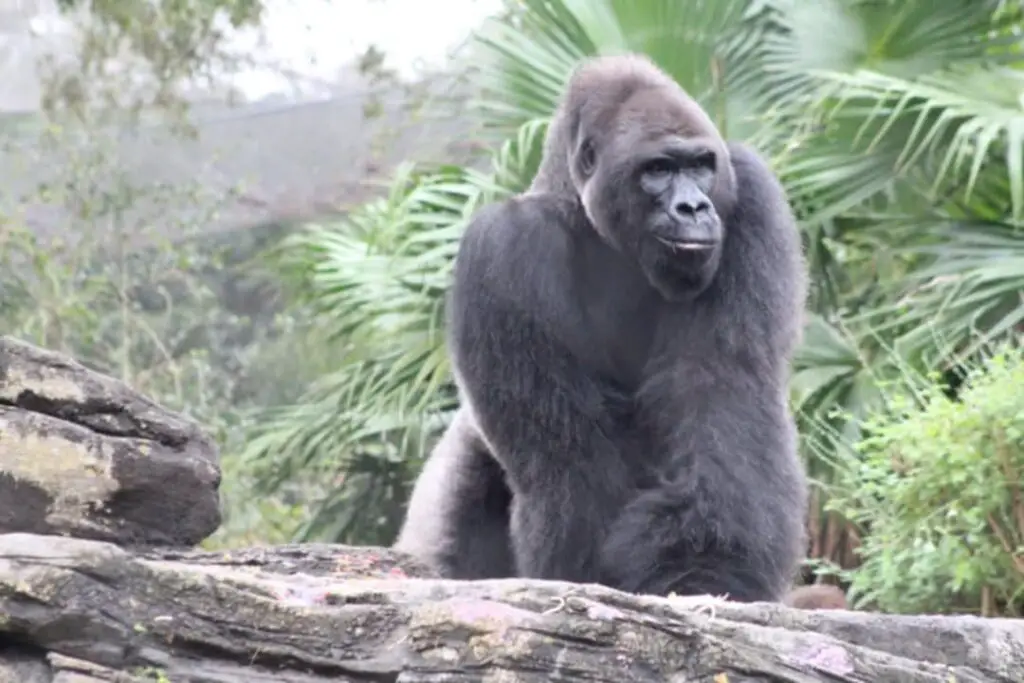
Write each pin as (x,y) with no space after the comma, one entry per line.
(83,455)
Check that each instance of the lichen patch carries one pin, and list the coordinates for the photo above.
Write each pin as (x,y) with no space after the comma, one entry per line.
(41,382)
(74,474)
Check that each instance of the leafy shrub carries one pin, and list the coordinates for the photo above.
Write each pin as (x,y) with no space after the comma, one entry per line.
(938,482)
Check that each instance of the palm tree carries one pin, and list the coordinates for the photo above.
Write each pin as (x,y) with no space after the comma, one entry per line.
(896,126)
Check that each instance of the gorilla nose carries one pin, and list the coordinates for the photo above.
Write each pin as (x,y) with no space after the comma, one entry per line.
(689,209)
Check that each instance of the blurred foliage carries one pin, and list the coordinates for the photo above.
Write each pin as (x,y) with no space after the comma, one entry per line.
(122,278)
(116,268)
(895,127)
(135,55)
(938,485)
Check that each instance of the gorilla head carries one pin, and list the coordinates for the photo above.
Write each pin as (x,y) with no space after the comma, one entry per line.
(649,167)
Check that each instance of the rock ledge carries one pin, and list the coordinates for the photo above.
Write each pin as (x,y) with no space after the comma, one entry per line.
(82,454)
(89,612)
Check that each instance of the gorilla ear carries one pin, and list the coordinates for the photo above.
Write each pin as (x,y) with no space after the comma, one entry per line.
(586,157)
(582,155)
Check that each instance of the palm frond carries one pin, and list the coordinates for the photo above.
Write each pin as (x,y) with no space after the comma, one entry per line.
(523,65)
(377,281)
(966,292)
(959,113)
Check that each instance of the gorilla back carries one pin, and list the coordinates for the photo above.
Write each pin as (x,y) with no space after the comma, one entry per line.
(621,336)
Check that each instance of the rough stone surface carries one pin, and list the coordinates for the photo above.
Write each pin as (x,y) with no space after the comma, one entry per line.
(82,454)
(89,612)
(316,559)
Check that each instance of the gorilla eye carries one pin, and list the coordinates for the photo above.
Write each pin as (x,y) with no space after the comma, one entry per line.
(659,167)
(587,158)
(706,159)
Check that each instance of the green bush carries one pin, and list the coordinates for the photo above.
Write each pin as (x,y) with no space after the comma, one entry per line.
(937,483)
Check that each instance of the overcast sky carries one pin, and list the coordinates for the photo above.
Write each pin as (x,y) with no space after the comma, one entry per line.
(317,37)
(314,38)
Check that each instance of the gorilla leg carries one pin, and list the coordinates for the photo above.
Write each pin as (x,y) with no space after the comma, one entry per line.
(458,515)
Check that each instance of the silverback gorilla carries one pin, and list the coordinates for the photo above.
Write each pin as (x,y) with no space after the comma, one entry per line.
(621,336)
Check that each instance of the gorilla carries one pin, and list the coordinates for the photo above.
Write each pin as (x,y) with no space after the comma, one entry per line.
(621,336)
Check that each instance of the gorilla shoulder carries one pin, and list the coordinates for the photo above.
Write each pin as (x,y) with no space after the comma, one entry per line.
(519,248)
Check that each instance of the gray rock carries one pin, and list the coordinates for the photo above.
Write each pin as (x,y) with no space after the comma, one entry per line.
(102,614)
(82,454)
(18,666)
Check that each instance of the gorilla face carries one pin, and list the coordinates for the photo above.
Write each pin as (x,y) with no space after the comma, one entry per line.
(681,232)
(653,201)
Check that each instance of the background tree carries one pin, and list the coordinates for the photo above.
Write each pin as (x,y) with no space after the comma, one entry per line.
(136,55)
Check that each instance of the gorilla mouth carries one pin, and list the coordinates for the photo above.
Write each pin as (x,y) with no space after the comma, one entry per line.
(685,245)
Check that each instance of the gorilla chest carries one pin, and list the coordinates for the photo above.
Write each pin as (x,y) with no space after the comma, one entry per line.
(619,339)
(618,317)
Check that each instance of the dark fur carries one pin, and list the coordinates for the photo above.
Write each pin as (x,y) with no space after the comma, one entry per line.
(458,514)
(635,396)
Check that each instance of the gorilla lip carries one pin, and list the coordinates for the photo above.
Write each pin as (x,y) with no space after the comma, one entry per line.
(684,245)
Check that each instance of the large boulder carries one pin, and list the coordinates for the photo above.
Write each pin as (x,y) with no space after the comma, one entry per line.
(75,611)
(82,454)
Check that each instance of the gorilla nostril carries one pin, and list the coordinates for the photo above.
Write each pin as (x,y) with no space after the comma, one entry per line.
(691,208)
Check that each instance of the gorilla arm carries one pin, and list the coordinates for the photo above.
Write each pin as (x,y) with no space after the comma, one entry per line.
(515,340)
(728,515)
(457,518)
